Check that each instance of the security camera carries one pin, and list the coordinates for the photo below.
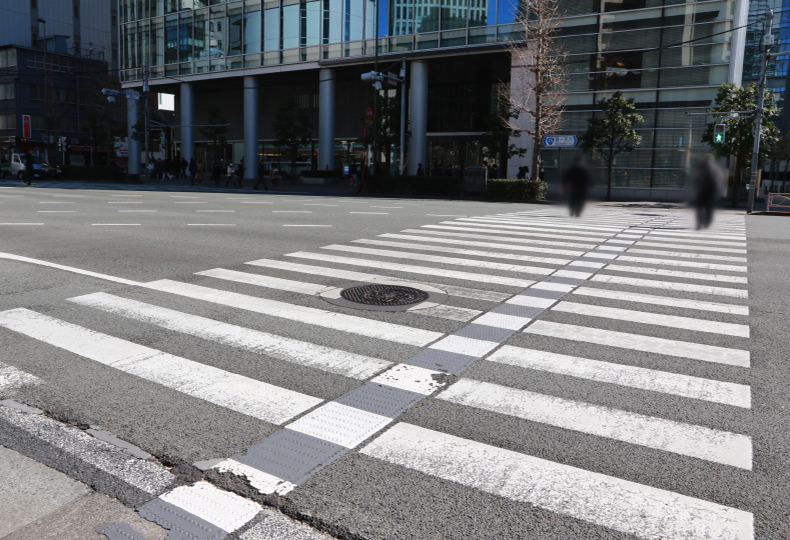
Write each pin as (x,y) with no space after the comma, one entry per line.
(111,99)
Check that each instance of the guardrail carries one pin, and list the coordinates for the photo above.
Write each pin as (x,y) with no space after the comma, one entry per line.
(778,202)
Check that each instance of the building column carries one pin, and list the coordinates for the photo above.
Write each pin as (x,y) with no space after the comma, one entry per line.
(326,119)
(187,121)
(133,145)
(418,116)
(738,47)
(251,127)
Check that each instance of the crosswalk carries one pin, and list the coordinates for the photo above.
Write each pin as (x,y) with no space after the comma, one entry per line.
(625,329)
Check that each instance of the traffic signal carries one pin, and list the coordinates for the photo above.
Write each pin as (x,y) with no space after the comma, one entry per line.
(719,130)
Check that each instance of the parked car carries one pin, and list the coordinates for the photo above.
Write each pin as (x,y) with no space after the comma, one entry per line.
(41,168)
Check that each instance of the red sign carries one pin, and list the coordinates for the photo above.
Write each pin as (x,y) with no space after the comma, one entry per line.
(369,115)
(26,131)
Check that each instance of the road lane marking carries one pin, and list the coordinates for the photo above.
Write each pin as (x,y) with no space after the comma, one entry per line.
(306,315)
(292,211)
(638,342)
(57,211)
(737,395)
(20,258)
(663,300)
(667,435)
(242,394)
(12,378)
(382,213)
(680,254)
(685,264)
(643,317)
(225,211)
(686,246)
(124,202)
(670,285)
(138,211)
(413,269)
(646,512)
(474,263)
(116,224)
(463,251)
(298,225)
(439,238)
(509,236)
(675,273)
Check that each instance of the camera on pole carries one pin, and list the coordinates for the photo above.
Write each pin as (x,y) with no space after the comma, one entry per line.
(719,131)
(375,78)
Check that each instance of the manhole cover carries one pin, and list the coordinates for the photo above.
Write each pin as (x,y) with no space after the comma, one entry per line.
(380,295)
(384,295)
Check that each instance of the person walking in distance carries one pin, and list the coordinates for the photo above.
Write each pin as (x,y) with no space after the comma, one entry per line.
(707,182)
(192,170)
(29,168)
(261,175)
(420,170)
(274,175)
(229,175)
(199,173)
(240,172)
(576,182)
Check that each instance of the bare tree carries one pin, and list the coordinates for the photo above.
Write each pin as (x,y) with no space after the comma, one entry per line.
(535,95)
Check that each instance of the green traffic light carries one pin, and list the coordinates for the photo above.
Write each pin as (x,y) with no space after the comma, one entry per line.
(719,138)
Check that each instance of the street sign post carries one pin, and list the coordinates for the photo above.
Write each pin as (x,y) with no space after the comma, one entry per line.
(26,128)
(560,141)
(369,115)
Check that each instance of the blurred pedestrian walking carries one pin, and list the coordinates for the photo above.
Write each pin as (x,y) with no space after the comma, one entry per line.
(708,178)
(576,182)
(261,174)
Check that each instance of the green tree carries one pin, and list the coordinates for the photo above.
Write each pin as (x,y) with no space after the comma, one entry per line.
(216,131)
(292,129)
(612,132)
(780,151)
(739,138)
(500,130)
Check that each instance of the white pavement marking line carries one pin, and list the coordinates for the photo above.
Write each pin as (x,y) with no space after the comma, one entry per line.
(319,317)
(675,273)
(242,394)
(737,395)
(116,224)
(560,226)
(56,202)
(477,294)
(508,236)
(663,300)
(474,263)
(57,211)
(211,224)
(705,241)
(463,251)
(146,476)
(667,435)
(382,213)
(21,223)
(465,345)
(319,204)
(298,225)
(355,366)
(561,234)
(671,285)
(658,319)
(411,378)
(138,211)
(697,235)
(685,264)
(340,424)
(227,511)
(263,482)
(12,378)
(422,270)
(124,202)
(514,246)
(226,211)
(292,211)
(385,207)
(190,202)
(703,256)
(20,258)
(643,511)
(637,342)
(686,246)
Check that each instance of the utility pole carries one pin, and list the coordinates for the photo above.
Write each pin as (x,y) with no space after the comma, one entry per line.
(768,40)
(145,114)
(402,115)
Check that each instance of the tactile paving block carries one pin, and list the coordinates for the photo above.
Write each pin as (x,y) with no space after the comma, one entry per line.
(224,509)
(518,311)
(182,524)
(340,424)
(120,531)
(482,331)
(291,455)
(446,361)
(380,399)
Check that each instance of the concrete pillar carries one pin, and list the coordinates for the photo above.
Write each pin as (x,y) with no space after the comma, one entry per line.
(187,121)
(132,106)
(251,127)
(326,119)
(418,116)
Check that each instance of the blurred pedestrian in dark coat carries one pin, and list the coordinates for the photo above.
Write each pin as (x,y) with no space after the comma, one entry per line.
(708,178)
(577,182)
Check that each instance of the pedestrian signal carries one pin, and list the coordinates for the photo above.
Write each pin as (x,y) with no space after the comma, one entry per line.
(719,130)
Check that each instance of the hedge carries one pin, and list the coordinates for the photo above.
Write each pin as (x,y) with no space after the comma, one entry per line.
(97,172)
(514,189)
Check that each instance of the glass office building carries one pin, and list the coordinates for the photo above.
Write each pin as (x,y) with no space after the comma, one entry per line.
(247,55)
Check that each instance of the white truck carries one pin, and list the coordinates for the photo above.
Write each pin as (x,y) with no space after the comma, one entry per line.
(16,168)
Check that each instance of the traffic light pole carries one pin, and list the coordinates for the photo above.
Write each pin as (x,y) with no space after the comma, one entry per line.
(768,39)
(145,116)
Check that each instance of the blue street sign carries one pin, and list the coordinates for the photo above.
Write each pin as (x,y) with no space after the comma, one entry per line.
(560,141)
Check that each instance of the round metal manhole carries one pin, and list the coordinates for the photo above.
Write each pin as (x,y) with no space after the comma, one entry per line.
(384,296)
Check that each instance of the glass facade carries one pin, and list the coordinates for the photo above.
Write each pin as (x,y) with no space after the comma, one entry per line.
(196,36)
(776,76)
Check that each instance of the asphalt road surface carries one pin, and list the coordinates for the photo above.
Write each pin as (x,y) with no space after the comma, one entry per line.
(617,376)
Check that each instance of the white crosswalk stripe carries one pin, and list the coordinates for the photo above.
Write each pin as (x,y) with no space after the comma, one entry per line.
(670,285)
(12,378)
(662,300)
